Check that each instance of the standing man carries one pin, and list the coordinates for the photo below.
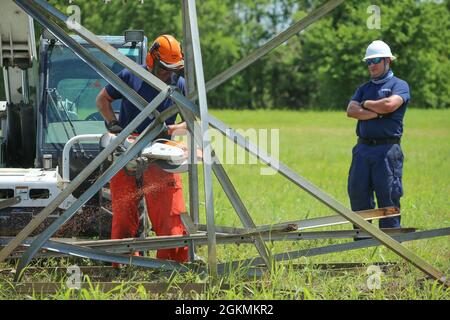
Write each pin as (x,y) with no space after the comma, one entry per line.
(379,106)
(162,190)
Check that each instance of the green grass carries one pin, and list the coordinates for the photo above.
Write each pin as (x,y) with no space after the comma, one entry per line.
(317,145)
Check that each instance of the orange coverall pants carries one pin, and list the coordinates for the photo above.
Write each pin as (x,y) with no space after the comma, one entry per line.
(164,199)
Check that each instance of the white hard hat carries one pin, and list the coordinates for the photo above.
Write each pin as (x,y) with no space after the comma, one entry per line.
(378,49)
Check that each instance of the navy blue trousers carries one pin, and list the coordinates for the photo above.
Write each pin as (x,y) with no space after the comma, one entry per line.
(376,169)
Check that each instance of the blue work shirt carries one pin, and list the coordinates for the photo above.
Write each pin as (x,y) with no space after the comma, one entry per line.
(129,111)
(390,125)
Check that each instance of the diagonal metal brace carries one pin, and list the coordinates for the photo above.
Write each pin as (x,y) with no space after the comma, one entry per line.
(228,187)
(270,45)
(142,141)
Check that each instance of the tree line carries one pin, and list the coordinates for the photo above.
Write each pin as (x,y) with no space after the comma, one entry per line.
(320,68)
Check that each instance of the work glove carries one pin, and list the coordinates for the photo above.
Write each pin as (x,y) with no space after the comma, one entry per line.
(114,127)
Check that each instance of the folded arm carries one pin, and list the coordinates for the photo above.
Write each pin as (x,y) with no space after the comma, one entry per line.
(384,106)
(354,110)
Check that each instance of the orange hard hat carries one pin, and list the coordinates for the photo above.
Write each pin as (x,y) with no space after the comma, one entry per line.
(167,51)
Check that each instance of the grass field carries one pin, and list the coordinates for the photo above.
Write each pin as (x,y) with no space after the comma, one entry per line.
(317,145)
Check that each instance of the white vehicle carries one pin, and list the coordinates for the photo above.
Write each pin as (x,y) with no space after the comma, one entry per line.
(50,107)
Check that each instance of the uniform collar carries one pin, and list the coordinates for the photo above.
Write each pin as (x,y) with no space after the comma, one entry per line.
(383,79)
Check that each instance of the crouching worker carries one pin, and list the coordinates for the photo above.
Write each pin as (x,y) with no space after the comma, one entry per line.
(162,190)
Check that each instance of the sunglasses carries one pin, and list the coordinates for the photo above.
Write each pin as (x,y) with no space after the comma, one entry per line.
(373,61)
